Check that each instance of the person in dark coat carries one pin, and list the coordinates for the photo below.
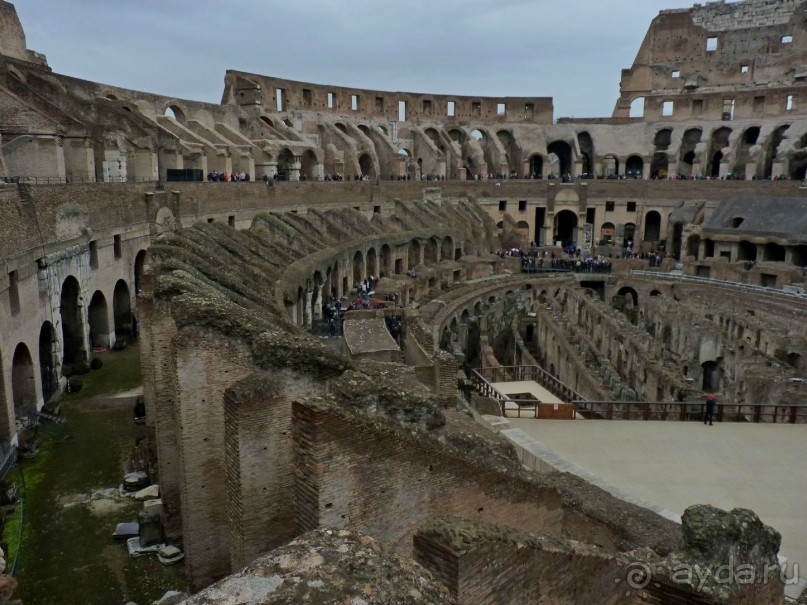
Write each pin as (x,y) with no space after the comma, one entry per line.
(710,409)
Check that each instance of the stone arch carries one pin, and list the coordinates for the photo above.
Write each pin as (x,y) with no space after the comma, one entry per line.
(174,111)
(385,261)
(430,254)
(632,293)
(634,167)
(711,371)
(23,381)
(689,141)
(122,311)
(358,267)
(367,165)
(309,165)
(660,165)
(663,139)
(285,161)
(586,145)
(566,227)
(98,319)
(636,108)
(47,360)
(607,234)
(140,267)
(447,249)
(563,151)
(610,165)
(720,140)
(372,262)
(414,252)
(74,344)
(654,293)
(537,166)
(775,140)
(652,226)
(478,135)
(629,234)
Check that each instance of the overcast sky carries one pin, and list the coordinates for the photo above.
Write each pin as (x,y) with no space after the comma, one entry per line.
(572,50)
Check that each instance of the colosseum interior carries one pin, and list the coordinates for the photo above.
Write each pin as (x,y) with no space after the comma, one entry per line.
(686,217)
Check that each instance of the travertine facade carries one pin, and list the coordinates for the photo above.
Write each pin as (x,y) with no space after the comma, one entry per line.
(260,432)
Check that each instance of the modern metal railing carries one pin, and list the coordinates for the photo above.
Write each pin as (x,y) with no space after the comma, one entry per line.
(719,282)
(482,378)
(692,410)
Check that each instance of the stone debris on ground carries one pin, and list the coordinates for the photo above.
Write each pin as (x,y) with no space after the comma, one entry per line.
(148,493)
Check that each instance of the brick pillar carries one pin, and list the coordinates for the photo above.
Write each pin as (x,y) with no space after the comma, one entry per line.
(156,352)
(260,462)
(206,363)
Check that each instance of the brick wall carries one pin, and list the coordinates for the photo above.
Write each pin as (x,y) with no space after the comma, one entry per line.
(503,572)
(259,461)
(357,476)
(206,363)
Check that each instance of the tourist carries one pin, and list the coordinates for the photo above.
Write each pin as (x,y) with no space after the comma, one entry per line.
(710,409)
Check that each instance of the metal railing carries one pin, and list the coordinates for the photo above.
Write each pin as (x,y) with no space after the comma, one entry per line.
(482,378)
(719,282)
(689,411)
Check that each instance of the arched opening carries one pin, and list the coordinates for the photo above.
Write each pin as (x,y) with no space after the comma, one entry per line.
(628,234)
(47,360)
(607,233)
(447,249)
(774,142)
(431,251)
(23,381)
(414,253)
(358,268)
(72,324)
(634,167)
(285,164)
(563,151)
(610,166)
(652,226)
(175,113)
(749,139)
(309,166)
(659,167)
(385,256)
(366,165)
(630,294)
(586,145)
(537,166)
(139,270)
(566,227)
(711,376)
(774,253)
(654,293)
(746,251)
(663,139)
(720,140)
(125,327)
(794,360)
(478,135)
(404,154)
(98,318)
(341,127)
(691,138)
(637,108)
(372,262)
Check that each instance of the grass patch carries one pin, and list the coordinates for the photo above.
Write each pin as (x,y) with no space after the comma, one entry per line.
(120,372)
(67,553)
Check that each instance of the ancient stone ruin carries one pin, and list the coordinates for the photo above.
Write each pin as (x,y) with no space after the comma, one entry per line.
(642,260)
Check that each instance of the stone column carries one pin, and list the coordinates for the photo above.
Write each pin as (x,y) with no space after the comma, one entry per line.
(307,308)
(318,301)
